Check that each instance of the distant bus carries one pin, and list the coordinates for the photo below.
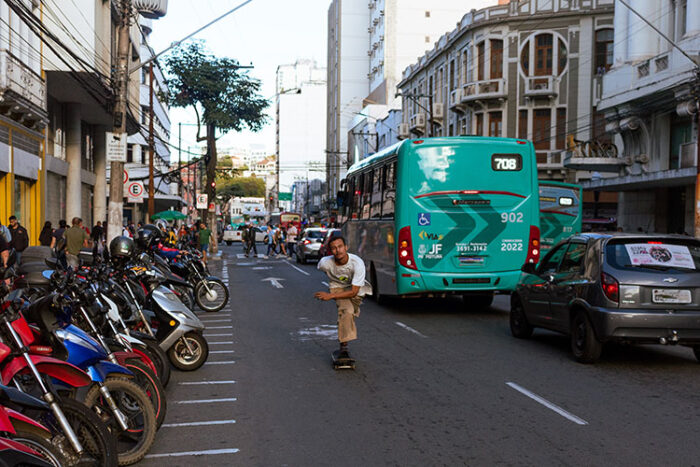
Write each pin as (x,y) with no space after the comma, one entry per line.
(448,215)
(561,211)
(285,218)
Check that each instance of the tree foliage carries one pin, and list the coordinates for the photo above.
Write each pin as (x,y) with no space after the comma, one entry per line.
(220,92)
(241,186)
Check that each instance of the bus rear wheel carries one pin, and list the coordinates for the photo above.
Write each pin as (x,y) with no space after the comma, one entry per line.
(479,302)
(378,297)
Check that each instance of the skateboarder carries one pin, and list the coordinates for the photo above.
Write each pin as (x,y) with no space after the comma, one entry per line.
(346,280)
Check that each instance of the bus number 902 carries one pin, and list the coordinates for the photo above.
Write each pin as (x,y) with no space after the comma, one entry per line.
(512,217)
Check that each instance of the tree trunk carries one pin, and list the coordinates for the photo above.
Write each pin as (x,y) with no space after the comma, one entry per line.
(210,217)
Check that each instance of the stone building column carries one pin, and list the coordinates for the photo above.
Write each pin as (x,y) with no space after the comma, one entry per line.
(73,157)
(642,40)
(692,18)
(99,203)
(621,23)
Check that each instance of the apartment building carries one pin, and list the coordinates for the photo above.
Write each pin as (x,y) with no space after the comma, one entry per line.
(525,69)
(649,100)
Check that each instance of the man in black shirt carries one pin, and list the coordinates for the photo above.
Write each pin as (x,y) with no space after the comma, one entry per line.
(4,251)
(58,233)
(20,238)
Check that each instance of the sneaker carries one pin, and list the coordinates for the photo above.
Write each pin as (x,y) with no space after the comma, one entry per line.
(265,257)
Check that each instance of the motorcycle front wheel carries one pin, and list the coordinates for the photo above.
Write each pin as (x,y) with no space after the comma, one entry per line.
(211,295)
(181,357)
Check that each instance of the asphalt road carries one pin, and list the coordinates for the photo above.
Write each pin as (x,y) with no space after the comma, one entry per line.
(435,384)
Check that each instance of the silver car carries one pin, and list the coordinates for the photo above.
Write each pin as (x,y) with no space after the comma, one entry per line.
(309,244)
(599,288)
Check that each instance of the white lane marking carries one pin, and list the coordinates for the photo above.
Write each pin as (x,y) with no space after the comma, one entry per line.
(209,452)
(207,401)
(245,264)
(263,267)
(410,329)
(298,269)
(275,281)
(221,351)
(549,405)
(212,315)
(231,362)
(220,343)
(219,327)
(196,383)
(217,321)
(325,283)
(217,335)
(212,422)
(240,255)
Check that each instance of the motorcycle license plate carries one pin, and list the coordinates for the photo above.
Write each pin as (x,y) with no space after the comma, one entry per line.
(671,296)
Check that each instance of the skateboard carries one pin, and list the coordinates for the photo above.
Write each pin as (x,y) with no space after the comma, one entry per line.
(342,363)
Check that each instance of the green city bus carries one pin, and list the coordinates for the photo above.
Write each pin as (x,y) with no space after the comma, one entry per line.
(444,215)
(561,211)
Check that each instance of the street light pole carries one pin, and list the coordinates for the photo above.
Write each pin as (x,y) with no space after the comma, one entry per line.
(151,144)
(116,187)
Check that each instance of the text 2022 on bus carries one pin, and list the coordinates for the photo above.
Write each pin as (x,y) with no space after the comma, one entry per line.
(444,215)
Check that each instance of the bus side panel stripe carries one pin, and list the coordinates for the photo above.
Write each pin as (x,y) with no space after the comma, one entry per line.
(468,192)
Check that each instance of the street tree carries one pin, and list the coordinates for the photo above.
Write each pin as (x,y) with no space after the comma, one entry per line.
(241,186)
(222,95)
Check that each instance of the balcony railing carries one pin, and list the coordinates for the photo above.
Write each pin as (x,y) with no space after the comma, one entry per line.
(484,90)
(549,159)
(18,78)
(541,86)
(456,100)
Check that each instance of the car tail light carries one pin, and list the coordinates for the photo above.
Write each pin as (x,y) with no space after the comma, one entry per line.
(406,249)
(306,242)
(533,246)
(611,288)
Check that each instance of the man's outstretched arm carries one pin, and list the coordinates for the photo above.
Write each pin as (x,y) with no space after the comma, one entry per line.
(350,293)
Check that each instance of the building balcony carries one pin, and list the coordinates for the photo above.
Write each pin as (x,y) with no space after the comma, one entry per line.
(593,155)
(417,122)
(485,90)
(455,103)
(23,90)
(549,160)
(541,86)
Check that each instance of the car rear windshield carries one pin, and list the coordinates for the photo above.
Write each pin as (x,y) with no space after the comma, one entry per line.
(660,255)
(316,234)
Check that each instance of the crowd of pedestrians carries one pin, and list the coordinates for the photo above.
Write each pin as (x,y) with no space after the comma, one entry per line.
(281,240)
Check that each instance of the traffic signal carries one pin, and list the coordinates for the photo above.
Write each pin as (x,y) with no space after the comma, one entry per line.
(213,185)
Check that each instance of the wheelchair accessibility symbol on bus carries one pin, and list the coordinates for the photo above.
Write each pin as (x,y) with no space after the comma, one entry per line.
(423,218)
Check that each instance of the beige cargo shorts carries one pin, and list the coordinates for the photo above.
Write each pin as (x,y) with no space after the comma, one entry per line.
(348,310)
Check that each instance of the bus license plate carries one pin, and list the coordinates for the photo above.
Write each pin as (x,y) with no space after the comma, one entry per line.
(466,260)
(671,296)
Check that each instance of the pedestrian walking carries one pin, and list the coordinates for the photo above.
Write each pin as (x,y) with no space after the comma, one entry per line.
(250,245)
(97,237)
(76,238)
(46,234)
(281,240)
(204,236)
(58,233)
(347,284)
(292,233)
(20,238)
(271,247)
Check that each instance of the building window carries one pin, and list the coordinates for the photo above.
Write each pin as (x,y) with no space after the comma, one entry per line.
(604,40)
(543,55)
(495,123)
(480,124)
(541,123)
(681,133)
(480,61)
(427,39)
(130,153)
(561,128)
(427,14)
(453,72)
(561,57)
(522,124)
(496,58)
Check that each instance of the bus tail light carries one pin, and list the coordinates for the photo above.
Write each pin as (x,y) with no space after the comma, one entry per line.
(533,246)
(405,250)
(611,288)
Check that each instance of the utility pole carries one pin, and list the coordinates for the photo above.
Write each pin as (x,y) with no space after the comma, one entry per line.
(179,161)
(151,144)
(697,156)
(116,187)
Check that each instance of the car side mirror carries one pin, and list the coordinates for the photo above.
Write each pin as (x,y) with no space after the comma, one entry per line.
(529,268)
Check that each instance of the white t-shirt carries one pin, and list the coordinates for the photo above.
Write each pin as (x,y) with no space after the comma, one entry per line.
(292,234)
(346,275)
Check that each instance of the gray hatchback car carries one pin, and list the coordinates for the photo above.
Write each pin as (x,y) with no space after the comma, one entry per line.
(600,288)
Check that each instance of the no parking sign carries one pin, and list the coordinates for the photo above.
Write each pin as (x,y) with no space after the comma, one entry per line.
(135,192)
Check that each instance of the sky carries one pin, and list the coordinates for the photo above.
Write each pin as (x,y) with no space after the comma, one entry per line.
(266,33)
